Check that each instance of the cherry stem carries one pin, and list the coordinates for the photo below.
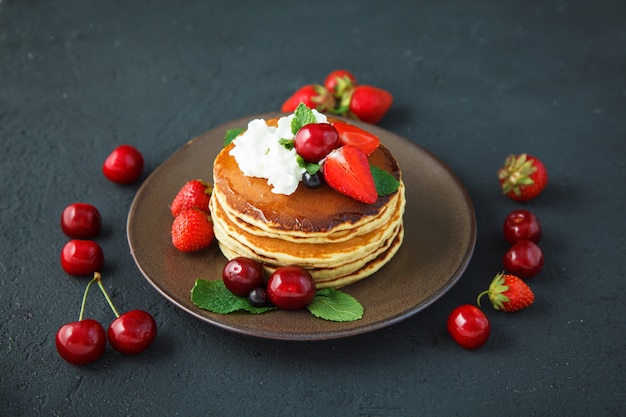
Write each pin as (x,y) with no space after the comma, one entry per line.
(82,306)
(106,295)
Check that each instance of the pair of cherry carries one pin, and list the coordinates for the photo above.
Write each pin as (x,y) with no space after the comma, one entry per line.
(81,256)
(84,341)
(522,229)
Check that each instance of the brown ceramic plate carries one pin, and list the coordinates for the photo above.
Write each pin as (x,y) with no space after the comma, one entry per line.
(440,233)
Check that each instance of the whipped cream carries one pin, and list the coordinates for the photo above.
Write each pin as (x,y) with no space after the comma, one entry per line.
(260,154)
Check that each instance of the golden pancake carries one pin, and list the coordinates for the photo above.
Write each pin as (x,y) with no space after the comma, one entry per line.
(336,278)
(336,234)
(306,253)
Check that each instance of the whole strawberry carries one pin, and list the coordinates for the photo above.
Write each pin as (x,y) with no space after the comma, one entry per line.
(339,81)
(368,103)
(508,293)
(194,194)
(523,177)
(314,96)
(192,230)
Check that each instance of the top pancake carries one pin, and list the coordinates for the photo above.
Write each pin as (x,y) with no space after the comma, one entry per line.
(306,212)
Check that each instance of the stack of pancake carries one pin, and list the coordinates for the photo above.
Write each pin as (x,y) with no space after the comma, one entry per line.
(338,239)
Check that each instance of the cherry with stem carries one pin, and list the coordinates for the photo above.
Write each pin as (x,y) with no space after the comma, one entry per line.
(83,341)
(131,332)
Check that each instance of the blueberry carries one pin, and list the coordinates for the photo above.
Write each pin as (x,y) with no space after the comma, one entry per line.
(313,181)
(258,297)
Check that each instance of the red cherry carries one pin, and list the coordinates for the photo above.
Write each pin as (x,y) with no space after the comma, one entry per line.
(123,165)
(314,141)
(132,332)
(469,326)
(80,220)
(524,259)
(242,275)
(81,342)
(81,257)
(521,225)
(291,288)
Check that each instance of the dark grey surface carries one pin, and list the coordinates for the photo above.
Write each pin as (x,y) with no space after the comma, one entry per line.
(472,83)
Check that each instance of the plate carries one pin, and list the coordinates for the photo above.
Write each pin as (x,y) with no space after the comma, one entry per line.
(440,234)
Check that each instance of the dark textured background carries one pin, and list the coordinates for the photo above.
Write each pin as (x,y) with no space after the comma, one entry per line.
(472,81)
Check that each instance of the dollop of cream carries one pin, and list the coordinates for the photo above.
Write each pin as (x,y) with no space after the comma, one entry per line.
(259,153)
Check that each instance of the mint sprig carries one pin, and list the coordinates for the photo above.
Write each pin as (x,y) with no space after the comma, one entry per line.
(311,167)
(302,116)
(328,304)
(287,143)
(385,182)
(334,305)
(231,134)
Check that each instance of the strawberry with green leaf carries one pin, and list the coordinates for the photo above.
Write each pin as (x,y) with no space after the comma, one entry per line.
(314,96)
(193,194)
(339,81)
(523,177)
(508,293)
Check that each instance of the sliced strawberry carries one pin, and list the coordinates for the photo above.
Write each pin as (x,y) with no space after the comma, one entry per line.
(347,170)
(355,136)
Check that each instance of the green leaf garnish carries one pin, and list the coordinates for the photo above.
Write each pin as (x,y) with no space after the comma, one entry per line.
(328,304)
(287,143)
(334,305)
(310,167)
(231,134)
(302,116)
(385,182)
(215,297)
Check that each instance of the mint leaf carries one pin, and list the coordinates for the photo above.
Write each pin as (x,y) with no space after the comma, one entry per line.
(385,182)
(231,134)
(215,297)
(302,116)
(310,167)
(334,305)
(287,143)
